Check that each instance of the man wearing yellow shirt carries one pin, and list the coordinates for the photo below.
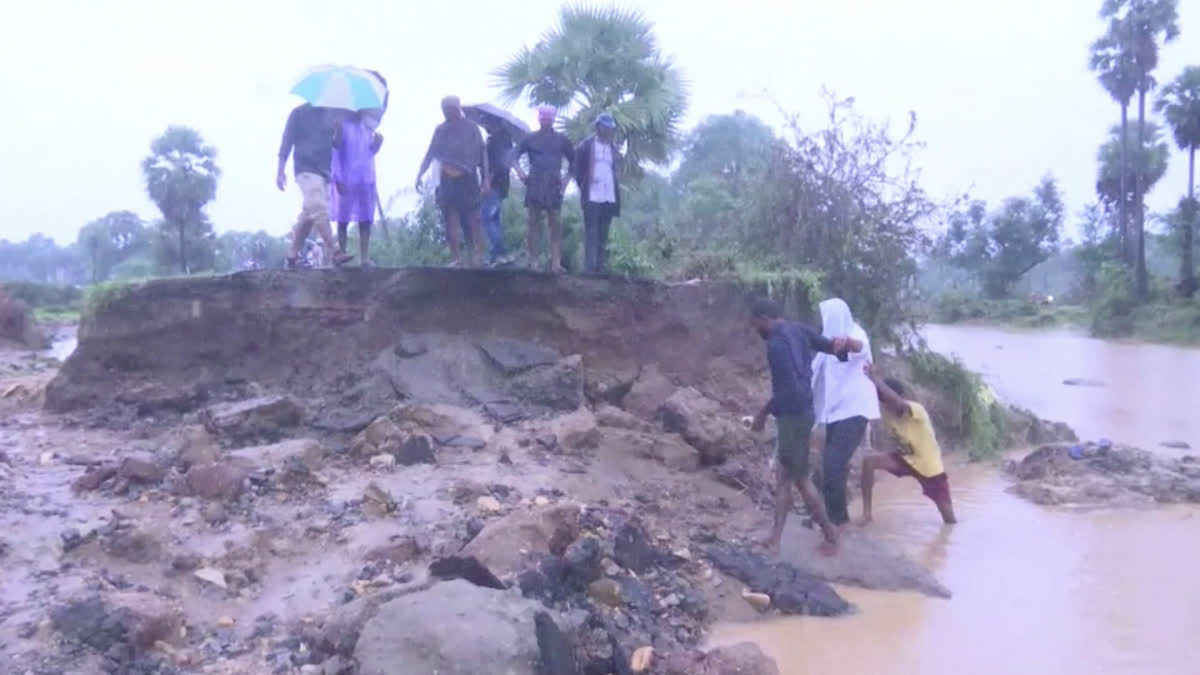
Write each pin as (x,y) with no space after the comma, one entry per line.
(916,452)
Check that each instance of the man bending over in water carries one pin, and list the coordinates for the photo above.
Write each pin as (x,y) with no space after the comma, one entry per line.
(918,453)
(790,350)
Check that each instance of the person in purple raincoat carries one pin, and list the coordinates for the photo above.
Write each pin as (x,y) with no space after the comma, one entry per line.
(353,191)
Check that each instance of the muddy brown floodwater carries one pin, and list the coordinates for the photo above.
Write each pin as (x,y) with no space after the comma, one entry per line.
(1036,590)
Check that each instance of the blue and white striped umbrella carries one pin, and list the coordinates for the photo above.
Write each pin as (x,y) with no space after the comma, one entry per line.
(341,87)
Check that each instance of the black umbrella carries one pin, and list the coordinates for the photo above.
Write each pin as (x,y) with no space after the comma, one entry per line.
(515,127)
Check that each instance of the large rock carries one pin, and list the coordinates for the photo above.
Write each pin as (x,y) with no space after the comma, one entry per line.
(454,628)
(217,480)
(504,544)
(741,659)
(558,386)
(265,418)
(791,591)
(701,422)
(192,445)
(305,452)
(648,393)
(515,356)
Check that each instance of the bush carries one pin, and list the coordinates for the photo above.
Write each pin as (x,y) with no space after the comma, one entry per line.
(978,419)
(37,295)
(16,321)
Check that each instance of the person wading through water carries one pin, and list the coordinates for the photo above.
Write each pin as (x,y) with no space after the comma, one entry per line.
(844,400)
(544,183)
(915,452)
(309,136)
(457,145)
(790,349)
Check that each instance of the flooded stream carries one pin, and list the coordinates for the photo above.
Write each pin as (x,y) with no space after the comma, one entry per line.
(1036,590)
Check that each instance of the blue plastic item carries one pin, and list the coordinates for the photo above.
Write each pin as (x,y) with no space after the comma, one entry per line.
(1076,452)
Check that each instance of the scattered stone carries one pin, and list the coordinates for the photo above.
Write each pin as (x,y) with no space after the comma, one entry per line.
(555,655)
(609,386)
(101,622)
(264,418)
(416,449)
(1096,475)
(403,550)
(641,659)
(467,568)
(194,446)
(185,562)
(424,633)
(582,562)
(607,592)
(464,442)
(502,544)
(212,576)
(488,504)
(409,346)
(133,546)
(71,539)
(378,499)
(611,416)
(648,393)
(222,481)
(790,590)
(759,601)
(378,434)
(306,453)
(383,461)
(225,622)
(214,513)
(632,550)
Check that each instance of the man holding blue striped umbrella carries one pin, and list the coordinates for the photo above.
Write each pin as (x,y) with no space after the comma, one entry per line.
(309,137)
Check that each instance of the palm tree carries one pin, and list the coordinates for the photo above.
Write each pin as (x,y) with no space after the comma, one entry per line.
(1143,23)
(603,59)
(181,177)
(1146,166)
(1179,103)
(1114,66)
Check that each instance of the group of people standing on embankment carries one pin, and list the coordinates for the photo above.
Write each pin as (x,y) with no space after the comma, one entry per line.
(334,152)
(827,377)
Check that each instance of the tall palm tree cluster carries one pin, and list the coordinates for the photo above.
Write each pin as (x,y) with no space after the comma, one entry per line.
(1125,59)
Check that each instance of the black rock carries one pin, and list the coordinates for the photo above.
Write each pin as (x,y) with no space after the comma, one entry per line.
(582,562)
(545,579)
(466,568)
(791,591)
(555,655)
(631,549)
(415,450)
(514,356)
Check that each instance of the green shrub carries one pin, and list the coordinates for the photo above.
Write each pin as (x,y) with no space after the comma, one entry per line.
(1112,309)
(980,420)
(37,295)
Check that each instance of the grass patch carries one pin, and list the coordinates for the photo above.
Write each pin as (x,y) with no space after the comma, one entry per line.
(1015,312)
(972,415)
(57,313)
(1176,322)
(102,295)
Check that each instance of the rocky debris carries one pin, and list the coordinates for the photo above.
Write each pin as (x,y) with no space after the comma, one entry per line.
(466,568)
(1025,428)
(1091,474)
(121,625)
(401,550)
(132,545)
(304,453)
(416,449)
(513,357)
(218,480)
(212,576)
(93,478)
(612,416)
(575,431)
(409,346)
(503,544)
(648,393)
(669,449)
(372,394)
(557,387)
(453,627)
(383,461)
(266,418)
(152,398)
(702,423)
(740,659)
(791,591)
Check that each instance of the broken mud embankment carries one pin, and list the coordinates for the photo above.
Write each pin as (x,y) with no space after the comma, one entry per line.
(401,471)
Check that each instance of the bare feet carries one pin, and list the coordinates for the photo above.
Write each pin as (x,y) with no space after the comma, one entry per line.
(828,548)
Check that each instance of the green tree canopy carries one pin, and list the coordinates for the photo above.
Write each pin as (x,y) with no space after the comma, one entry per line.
(111,239)
(181,178)
(1150,163)
(604,59)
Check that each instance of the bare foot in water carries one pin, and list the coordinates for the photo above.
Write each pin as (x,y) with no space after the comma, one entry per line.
(828,548)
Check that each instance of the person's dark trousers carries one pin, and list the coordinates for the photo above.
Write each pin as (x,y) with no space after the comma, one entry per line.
(490,212)
(842,438)
(597,217)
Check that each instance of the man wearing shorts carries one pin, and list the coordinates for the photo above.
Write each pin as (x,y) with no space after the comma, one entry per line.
(790,350)
(544,183)
(309,137)
(917,452)
(458,146)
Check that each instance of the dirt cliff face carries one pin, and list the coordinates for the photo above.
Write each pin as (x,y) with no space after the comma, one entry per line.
(322,332)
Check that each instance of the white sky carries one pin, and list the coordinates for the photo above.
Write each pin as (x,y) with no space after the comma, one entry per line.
(1001,89)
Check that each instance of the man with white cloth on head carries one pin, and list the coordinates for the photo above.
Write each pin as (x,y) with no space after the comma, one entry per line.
(844,400)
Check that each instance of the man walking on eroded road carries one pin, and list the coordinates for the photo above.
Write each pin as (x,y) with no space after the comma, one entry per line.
(309,136)
(916,450)
(457,145)
(545,182)
(790,350)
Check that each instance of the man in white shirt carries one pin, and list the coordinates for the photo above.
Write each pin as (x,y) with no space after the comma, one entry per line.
(597,167)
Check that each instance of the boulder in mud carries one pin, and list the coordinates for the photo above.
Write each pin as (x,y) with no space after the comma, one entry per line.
(668,449)
(610,386)
(304,452)
(740,659)
(791,591)
(141,467)
(133,618)
(266,418)
(574,431)
(702,423)
(454,627)
(503,544)
(400,551)
(558,386)
(1093,475)
(648,393)
(132,545)
(612,416)
(217,480)
(94,477)
(512,357)
(192,445)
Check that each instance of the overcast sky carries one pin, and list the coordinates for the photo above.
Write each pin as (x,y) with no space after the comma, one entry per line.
(1001,89)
